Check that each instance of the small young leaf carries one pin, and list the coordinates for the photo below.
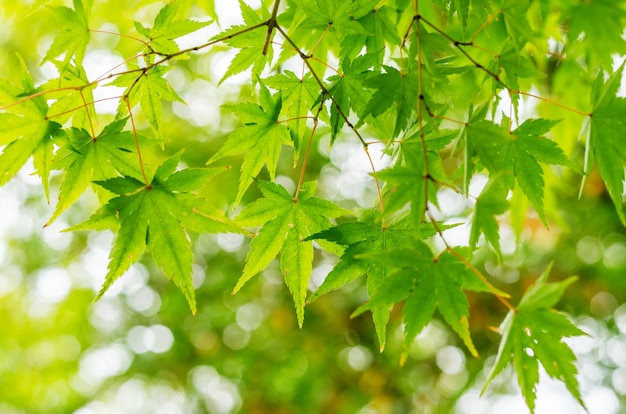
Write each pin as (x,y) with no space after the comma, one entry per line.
(74,36)
(167,28)
(534,334)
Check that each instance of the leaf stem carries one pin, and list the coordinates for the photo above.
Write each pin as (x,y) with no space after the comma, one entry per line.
(325,92)
(105,74)
(483,279)
(470,266)
(40,93)
(550,101)
(485,23)
(93,132)
(132,121)
(82,106)
(321,37)
(308,149)
(121,35)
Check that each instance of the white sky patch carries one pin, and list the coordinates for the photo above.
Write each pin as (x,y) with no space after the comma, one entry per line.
(52,285)
(221,395)
(98,364)
(155,338)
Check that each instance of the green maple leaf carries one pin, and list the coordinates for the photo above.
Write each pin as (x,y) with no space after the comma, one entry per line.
(348,91)
(286,223)
(298,96)
(74,104)
(516,22)
(321,14)
(25,130)
(360,238)
(528,148)
(462,8)
(396,91)
(85,158)
(600,41)
(605,143)
(427,283)
(166,28)
(381,30)
(74,36)
(251,44)
(155,218)
(514,66)
(519,152)
(491,202)
(148,89)
(534,334)
(261,137)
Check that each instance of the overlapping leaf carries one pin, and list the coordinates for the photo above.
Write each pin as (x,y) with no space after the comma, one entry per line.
(298,97)
(365,237)
(602,40)
(147,87)
(516,21)
(393,90)
(491,202)
(381,29)
(324,14)
(519,152)
(85,158)
(161,36)
(74,32)
(348,92)
(75,104)
(251,43)
(411,178)
(461,8)
(427,283)
(261,137)
(533,334)
(286,223)
(25,130)
(607,131)
(155,218)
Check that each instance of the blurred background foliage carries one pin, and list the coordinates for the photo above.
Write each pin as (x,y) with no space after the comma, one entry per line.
(139,350)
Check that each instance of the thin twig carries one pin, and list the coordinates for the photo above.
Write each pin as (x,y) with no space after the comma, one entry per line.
(271,25)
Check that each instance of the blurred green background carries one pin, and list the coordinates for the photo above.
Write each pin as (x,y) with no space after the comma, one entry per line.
(139,349)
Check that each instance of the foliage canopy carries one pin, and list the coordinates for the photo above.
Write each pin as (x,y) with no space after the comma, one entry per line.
(521,96)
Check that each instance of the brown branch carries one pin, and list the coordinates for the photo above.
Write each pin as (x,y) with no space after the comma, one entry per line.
(271,25)
(420,117)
